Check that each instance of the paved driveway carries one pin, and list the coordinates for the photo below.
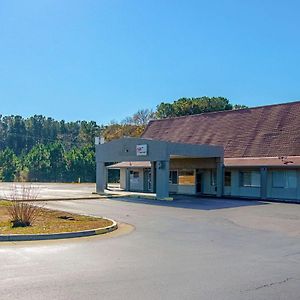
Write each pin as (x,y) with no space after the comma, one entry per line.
(51,190)
(187,249)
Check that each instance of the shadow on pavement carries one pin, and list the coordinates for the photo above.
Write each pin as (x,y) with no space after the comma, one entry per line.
(190,202)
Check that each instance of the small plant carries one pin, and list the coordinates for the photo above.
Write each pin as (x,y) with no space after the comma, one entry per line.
(22,212)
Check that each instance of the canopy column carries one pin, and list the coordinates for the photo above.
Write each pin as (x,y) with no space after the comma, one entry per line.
(153,177)
(220,176)
(127,180)
(162,179)
(101,177)
(263,182)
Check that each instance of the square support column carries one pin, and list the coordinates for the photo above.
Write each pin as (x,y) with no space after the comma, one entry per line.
(220,176)
(101,177)
(127,180)
(162,179)
(263,182)
(153,177)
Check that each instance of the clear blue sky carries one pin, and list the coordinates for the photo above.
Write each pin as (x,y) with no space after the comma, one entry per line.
(104,59)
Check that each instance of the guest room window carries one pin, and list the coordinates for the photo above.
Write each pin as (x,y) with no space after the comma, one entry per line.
(173,177)
(250,178)
(213,177)
(227,178)
(284,179)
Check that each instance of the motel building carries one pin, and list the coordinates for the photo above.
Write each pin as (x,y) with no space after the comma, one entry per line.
(250,153)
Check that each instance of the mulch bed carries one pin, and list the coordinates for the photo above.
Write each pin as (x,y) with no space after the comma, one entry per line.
(50,221)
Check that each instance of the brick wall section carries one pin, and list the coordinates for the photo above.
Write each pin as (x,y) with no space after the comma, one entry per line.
(266,131)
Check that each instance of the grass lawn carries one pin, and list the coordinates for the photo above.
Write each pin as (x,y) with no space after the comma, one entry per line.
(50,221)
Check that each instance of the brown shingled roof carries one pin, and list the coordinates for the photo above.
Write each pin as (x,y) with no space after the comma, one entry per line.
(266,131)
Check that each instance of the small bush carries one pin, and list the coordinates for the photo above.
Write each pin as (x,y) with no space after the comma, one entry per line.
(21,213)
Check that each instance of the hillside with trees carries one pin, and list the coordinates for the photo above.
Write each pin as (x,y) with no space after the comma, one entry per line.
(43,149)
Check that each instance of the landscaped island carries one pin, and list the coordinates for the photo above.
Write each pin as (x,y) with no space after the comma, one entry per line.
(50,221)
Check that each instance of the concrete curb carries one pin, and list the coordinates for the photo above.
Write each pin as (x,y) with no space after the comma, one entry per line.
(63,199)
(146,197)
(100,196)
(61,235)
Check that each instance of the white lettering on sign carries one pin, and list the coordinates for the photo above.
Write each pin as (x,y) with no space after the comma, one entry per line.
(141,150)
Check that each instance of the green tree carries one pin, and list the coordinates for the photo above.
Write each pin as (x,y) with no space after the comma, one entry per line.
(38,163)
(16,133)
(239,106)
(81,164)
(57,166)
(191,106)
(87,132)
(9,165)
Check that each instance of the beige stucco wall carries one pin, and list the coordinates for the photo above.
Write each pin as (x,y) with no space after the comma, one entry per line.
(135,184)
(123,179)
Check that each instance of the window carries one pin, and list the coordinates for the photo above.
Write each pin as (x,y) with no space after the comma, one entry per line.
(291,179)
(134,174)
(173,177)
(227,178)
(186,177)
(250,179)
(284,179)
(245,178)
(278,179)
(255,178)
(213,177)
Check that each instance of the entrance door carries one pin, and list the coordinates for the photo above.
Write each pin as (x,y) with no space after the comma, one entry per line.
(198,182)
(147,180)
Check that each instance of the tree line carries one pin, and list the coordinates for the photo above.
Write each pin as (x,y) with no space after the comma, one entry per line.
(43,149)
(49,162)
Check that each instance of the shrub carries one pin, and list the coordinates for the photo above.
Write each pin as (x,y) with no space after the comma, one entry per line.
(22,213)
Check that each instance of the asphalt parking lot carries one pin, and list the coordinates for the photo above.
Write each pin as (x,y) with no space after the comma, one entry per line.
(187,249)
(51,190)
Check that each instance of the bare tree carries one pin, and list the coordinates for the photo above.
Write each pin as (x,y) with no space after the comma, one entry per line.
(141,117)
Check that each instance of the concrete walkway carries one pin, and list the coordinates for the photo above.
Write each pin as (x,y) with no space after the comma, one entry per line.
(66,191)
(119,192)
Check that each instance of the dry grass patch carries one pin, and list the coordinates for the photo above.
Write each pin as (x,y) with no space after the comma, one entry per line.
(50,221)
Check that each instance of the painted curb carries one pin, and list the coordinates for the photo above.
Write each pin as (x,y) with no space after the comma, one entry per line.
(61,235)
(149,197)
(166,199)
(100,196)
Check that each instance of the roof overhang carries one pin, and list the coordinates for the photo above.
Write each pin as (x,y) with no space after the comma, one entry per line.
(282,161)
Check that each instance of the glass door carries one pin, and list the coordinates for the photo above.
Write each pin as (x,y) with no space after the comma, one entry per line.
(199,176)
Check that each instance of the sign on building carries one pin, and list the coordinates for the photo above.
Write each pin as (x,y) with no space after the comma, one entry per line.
(141,150)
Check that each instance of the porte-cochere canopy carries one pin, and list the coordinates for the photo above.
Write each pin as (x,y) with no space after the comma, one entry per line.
(159,154)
